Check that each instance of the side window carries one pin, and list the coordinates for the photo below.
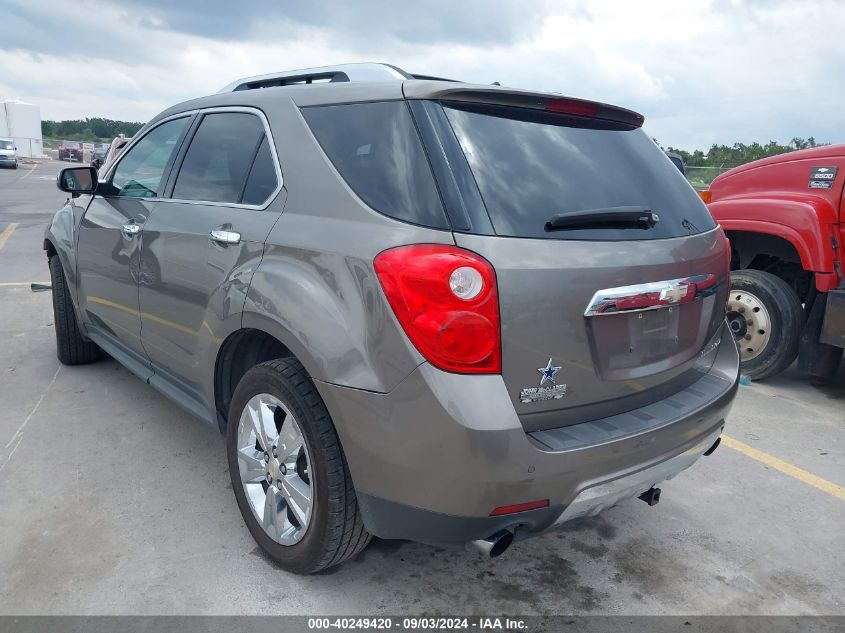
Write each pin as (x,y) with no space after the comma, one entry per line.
(219,157)
(262,180)
(139,173)
(378,152)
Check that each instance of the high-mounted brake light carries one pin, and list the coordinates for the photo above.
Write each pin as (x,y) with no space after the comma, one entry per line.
(573,106)
(592,109)
(447,302)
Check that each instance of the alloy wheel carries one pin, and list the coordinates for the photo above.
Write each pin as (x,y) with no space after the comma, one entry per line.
(275,468)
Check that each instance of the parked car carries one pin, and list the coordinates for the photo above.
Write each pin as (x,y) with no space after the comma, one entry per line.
(98,156)
(784,217)
(405,317)
(8,153)
(71,151)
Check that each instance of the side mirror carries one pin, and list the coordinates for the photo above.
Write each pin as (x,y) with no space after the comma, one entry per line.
(77,180)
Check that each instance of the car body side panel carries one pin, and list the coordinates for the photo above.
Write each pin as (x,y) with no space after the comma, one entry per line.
(108,267)
(316,283)
(193,289)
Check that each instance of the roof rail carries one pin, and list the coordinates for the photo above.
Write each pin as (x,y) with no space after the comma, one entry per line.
(366,71)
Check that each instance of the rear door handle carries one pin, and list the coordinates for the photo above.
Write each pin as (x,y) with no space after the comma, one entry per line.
(131,229)
(225,237)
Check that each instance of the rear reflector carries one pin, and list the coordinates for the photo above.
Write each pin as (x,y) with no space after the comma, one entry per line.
(520,507)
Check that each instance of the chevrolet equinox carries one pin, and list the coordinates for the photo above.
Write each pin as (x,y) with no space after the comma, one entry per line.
(417,308)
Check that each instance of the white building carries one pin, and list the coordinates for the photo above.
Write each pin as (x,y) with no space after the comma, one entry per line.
(22,122)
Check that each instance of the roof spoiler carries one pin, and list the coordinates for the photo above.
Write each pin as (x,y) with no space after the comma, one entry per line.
(488,95)
(329,74)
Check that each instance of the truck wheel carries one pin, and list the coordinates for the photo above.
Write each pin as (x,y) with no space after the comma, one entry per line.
(71,348)
(288,470)
(765,316)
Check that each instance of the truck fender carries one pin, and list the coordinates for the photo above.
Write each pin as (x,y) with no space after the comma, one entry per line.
(806,223)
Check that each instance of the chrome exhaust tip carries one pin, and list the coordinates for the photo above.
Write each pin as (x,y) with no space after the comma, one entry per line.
(496,544)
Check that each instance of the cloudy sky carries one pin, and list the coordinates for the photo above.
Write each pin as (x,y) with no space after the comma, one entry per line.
(702,71)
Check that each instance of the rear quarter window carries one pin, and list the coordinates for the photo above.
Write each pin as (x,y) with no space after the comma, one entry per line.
(376,149)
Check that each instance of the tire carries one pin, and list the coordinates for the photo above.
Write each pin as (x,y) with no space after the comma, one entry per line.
(335,531)
(71,348)
(774,320)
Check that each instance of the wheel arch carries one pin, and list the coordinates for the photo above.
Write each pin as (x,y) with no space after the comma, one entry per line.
(805,223)
(240,351)
(773,253)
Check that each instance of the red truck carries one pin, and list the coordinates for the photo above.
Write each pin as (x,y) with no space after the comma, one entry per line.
(785,218)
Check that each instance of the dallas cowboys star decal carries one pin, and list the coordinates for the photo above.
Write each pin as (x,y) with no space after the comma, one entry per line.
(548,373)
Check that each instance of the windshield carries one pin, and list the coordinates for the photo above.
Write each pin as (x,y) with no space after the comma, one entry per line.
(7,145)
(531,167)
(71,144)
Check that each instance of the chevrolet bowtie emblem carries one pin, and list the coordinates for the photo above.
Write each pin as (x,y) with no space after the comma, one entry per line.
(674,294)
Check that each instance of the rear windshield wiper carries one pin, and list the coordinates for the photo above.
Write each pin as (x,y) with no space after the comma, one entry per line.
(607,218)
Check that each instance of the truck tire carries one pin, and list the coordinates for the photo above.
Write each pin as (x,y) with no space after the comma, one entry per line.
(276,407)
(71,348)
(766,318)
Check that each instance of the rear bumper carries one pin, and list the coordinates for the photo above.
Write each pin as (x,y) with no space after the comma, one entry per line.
(431,459)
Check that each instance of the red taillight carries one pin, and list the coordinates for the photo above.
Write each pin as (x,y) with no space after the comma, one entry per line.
(446,301)
(520,507)
(573,106)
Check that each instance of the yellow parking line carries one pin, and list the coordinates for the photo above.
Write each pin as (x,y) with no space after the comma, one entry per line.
(786,468)
(7,232)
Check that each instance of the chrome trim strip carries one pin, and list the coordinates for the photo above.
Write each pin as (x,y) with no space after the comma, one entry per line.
(276,164)
(188,113)
(650,296)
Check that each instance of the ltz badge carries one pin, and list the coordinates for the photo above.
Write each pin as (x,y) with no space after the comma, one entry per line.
(544,392)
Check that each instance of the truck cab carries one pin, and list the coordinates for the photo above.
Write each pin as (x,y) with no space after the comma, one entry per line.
(784,217)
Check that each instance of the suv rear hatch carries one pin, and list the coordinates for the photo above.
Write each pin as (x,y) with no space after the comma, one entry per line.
(611,272)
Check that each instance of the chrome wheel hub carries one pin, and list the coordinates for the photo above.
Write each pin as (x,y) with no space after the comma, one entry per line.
(750,323)
(275,468)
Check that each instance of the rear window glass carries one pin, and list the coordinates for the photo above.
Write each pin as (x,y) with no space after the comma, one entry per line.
(531,166)
(378,152)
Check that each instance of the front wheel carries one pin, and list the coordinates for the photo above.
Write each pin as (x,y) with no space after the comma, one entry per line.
(766,317)
(289,472)
(71,348)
